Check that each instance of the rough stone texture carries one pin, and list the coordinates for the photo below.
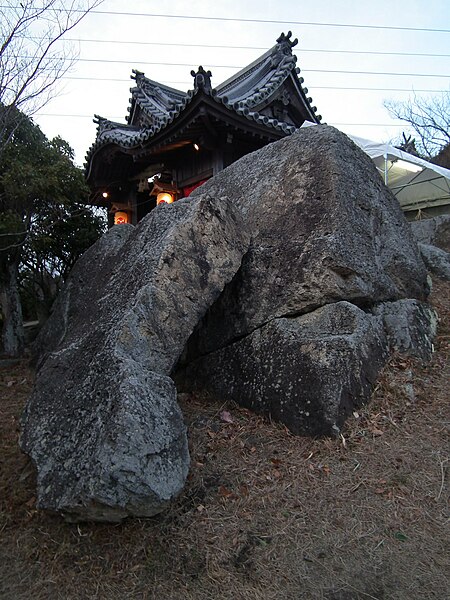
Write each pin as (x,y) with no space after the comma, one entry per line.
(437,260)
(324,229)
(79,295)
(311,308)
(309,371)
(103,426)
(293,335)
(410,327)
(433,232)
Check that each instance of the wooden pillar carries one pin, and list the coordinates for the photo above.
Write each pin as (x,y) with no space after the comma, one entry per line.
(130,198)
(217,162)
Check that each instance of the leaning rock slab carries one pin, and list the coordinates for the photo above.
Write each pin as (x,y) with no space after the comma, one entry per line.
(102,426)
(308,372)
(80,295)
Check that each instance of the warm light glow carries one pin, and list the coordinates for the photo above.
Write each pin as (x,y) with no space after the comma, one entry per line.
(120,218)
(164,198)
(105,194)
(407,166)
(197,147)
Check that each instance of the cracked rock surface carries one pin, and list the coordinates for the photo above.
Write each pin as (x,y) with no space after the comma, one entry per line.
(308,372)
(324,228)
(295,334)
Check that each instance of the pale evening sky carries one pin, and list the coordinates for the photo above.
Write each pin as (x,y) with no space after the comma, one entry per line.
(398,49)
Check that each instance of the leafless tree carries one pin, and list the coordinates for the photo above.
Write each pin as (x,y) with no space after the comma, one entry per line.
(32,56)
(429,117)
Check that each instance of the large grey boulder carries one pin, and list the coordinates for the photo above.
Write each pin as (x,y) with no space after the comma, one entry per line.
(295,334)
(291,266)
(324,229)
(308,372)
(102,426)
(80,297)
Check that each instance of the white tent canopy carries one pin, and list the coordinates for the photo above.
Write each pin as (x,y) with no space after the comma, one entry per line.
(416,183)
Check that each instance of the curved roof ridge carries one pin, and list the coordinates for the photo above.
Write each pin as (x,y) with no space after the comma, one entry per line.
(122,134)
(309,100)
(275,81)
(154,98)
(152,105)
(145,83)
(129,136)
(270,65)
(104,124)
(242,109)
(243,74)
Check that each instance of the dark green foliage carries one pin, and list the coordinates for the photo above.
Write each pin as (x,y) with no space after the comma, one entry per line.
(44,224)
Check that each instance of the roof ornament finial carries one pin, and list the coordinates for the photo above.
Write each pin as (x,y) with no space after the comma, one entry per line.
(285,44)
(202,79)
(138,76)
(103,124)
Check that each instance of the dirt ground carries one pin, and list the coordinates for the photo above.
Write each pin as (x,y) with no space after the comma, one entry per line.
(265,515)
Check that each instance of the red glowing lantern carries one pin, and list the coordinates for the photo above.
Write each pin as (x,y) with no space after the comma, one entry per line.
(120,217)
(164,198)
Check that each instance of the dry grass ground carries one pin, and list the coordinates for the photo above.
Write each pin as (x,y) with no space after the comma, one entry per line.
(265,515)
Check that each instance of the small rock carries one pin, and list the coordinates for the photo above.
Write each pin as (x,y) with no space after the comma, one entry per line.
(436,260)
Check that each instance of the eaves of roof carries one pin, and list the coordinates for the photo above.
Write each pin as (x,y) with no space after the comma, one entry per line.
(129,138)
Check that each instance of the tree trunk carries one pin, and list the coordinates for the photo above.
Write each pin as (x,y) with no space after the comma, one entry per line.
(46,290)
(13,341)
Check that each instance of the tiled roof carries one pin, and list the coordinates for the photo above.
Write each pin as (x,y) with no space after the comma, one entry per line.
(156,105)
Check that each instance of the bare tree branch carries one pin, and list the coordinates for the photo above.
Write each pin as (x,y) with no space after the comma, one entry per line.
(429,117)
(32,57)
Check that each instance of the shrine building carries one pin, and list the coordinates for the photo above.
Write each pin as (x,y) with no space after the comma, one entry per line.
(174,141)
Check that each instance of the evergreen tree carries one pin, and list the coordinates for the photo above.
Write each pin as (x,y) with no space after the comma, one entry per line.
(44,225)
